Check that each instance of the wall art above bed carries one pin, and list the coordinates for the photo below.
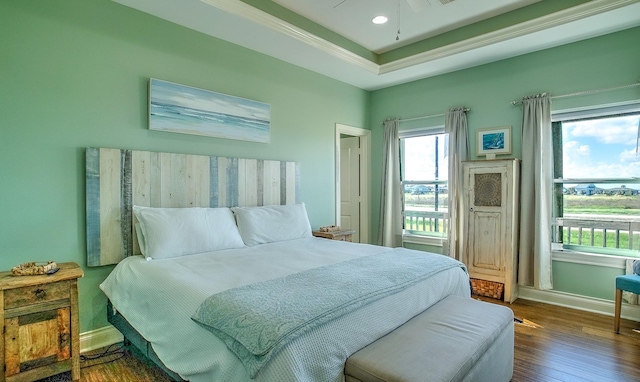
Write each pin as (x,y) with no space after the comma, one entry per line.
(184,109)
(116,180)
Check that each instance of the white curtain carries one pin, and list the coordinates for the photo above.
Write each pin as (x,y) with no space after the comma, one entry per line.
(628,297)
(536,186)
(455,124)
(390,228)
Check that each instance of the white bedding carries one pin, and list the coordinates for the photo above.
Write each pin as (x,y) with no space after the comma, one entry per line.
(158,298)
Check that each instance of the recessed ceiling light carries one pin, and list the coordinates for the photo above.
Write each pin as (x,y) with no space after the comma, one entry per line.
(379,19)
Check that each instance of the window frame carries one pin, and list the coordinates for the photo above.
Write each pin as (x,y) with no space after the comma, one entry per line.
(408,235)
(585,113)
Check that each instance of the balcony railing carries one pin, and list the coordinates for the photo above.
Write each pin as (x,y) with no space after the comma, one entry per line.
(428,223)
(606,233)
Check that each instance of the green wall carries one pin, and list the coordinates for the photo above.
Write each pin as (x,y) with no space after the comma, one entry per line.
(74,74)
(585,280)
(598,63)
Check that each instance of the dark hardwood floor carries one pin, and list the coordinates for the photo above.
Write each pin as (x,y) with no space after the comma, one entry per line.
(113,364)
(573,345)
(569,345)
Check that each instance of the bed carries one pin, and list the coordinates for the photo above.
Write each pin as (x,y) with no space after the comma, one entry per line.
(160,301)
(180,261)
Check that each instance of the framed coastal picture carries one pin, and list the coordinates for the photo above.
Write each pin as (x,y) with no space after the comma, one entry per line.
(183,109)
(495,140)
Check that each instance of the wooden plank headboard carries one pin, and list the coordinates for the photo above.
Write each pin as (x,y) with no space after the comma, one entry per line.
(116,180)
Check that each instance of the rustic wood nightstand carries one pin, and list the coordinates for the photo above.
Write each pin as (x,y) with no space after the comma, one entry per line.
(342,235)
(41,325)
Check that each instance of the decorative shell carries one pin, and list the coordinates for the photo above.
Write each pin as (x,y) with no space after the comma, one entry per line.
(330,228)
(33,268)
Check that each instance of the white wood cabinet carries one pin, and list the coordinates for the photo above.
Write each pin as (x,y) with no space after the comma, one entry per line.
(490,213)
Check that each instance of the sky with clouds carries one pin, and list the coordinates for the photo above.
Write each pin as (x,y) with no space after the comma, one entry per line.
(602,148)
(418,166)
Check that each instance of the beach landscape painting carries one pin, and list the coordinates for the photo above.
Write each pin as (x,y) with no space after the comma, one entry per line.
(183,109)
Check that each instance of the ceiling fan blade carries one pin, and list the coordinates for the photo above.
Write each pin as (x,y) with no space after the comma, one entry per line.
(340,3)
(418,5)
(345,3)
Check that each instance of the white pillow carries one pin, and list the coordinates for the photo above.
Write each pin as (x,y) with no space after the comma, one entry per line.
(141,243)
(268,224)
(172,232)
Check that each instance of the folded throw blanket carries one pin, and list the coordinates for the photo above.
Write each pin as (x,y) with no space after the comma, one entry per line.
(256,321)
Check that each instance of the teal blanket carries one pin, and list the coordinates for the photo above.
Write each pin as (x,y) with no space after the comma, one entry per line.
(256,321)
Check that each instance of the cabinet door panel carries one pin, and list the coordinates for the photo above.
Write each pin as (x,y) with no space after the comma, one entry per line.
(37,340)
(485,250)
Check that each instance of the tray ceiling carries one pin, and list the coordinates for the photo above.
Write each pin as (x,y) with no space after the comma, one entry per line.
(283,36)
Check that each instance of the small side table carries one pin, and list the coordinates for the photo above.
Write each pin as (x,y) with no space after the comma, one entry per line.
(39,315)
(342,235)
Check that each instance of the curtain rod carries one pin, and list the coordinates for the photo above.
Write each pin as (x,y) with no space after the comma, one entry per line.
(423,117)
(587,92)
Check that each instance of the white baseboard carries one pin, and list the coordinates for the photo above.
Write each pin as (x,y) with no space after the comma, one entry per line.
(99,338)
(569,300)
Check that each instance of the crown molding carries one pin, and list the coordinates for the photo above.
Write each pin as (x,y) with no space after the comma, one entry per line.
(239,23)
(559,18)
(241,9)
(592,8)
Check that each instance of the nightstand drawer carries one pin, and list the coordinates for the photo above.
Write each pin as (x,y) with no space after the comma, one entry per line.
(29,295)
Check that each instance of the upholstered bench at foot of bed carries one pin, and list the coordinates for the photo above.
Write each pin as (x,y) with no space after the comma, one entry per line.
(457,339)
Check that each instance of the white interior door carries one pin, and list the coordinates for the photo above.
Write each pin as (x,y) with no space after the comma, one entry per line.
(350,185)
(364,139)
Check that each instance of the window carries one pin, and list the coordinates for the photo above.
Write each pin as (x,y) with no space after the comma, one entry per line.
(597,181)
(424,172)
